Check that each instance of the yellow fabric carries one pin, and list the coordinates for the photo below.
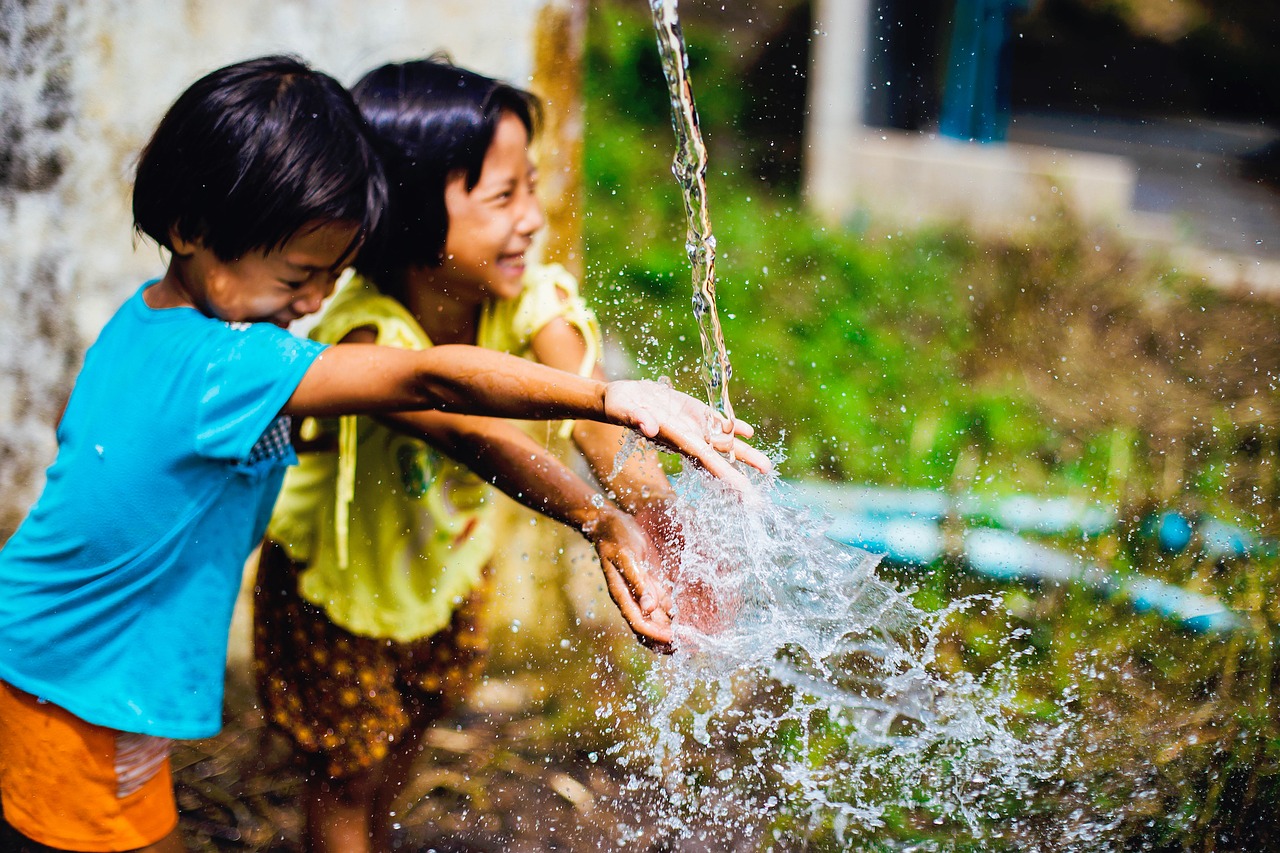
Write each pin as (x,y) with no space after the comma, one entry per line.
(550,293)
(394,534)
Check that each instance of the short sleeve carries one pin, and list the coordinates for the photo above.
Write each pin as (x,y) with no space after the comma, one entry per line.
(254,372)
(551,293)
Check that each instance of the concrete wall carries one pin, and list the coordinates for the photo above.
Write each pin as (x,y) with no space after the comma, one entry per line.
(914,178)
(83,83)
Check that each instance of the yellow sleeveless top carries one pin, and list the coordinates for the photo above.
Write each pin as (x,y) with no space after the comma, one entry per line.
(394,534)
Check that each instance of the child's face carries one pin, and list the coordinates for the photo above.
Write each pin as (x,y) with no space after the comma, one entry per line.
(276,286)
(491,227)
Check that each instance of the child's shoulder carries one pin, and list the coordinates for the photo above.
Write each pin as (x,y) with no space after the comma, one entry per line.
(550,292)
(548,281)
(359,303)
(135,324)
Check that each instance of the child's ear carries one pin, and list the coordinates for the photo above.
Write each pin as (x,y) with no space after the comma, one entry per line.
(181,245)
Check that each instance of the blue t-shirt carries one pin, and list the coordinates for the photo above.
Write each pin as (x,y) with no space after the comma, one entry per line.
(116,592)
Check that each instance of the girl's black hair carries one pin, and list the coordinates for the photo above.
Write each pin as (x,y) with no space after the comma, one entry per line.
(251,154)
(431,120)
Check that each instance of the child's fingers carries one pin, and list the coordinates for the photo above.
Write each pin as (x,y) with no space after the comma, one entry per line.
(686,425)
(652,630)
(702,448)
(722,469)
(648,425)
(747,454)
(733,426)
(647,592)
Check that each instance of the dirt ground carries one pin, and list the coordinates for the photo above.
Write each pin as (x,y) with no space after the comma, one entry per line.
(491,779)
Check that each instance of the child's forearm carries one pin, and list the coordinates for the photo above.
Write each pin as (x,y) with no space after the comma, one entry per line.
(638,482)
(365,378)
(529,473)
(483,382)
(503,455)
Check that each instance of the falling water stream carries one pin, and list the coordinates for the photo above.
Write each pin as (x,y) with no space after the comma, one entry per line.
(690,168)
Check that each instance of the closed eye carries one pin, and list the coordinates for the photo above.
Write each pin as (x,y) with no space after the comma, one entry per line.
(504,192)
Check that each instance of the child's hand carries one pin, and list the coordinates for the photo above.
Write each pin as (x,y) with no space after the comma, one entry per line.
(626,555)
(663,531)
(698,604)
(685,425)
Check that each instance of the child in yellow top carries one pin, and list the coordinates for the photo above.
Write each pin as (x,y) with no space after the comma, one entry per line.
(366,619)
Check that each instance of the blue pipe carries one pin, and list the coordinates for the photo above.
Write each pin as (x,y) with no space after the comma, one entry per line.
(1022,513)
(1175,531)
(906,527)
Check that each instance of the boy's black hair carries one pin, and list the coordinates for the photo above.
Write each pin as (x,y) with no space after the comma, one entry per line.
(431,120)
(252,153)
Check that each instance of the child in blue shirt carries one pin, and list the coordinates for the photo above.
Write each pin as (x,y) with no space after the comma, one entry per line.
(116,592)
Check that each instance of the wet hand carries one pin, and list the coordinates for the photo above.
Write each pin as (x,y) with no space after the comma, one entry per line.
(625,556)
(685,425)
(707,607)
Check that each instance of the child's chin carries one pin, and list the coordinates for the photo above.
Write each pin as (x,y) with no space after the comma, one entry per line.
(510,286)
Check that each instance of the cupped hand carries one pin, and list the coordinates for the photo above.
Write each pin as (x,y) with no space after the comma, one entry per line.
(625,556)
(685,425)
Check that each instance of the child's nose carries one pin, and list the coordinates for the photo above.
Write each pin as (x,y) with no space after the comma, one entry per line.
(532,219)
(311,298)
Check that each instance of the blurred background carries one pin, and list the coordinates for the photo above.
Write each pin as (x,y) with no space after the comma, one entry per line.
(970,252)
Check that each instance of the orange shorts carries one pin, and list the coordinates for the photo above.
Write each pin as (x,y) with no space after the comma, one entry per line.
(72,785)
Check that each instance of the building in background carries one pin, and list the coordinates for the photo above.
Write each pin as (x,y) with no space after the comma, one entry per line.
(891,124)
(1158,120)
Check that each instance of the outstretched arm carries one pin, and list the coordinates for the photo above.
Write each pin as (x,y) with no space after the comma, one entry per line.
(365,378)
(501,453)
(638,481)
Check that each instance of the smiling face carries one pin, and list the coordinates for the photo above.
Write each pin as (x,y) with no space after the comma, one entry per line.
(492,226)
(276,286)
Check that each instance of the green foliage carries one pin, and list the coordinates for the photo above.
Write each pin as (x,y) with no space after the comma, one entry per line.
(839,342)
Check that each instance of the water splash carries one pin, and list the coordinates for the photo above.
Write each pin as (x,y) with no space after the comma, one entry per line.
(690,168)
(807,685)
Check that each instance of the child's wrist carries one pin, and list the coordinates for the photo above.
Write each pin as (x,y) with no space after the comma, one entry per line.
(602,401)
(597,517)
(652,499)
(648,495)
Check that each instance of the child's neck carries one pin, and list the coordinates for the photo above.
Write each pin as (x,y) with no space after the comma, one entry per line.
(172,291)
(448,315)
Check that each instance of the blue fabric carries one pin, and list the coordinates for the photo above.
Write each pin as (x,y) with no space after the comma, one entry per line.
(116,592)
